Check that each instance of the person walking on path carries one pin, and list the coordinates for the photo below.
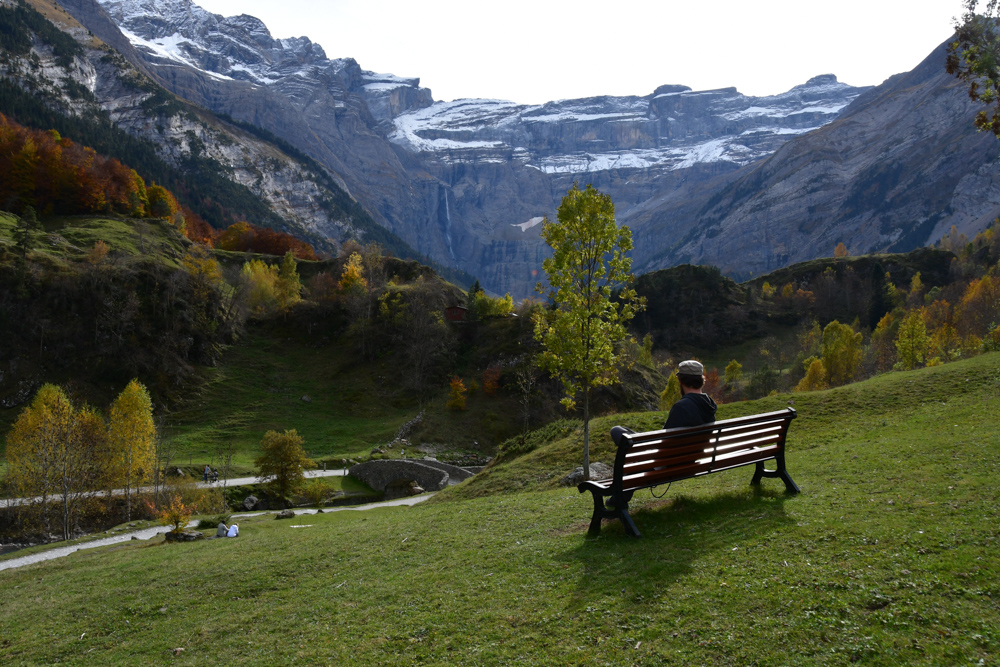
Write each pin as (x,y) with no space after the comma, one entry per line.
(208,471)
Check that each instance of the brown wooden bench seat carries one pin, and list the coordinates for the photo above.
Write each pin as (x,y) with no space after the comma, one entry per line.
(649,459)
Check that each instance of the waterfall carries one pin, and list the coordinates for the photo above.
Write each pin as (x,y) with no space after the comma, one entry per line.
(447,223)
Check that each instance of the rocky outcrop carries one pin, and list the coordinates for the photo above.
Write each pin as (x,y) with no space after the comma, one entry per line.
(597,471)
(900,166)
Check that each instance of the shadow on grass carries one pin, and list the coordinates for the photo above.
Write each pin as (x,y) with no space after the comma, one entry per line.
(677,532)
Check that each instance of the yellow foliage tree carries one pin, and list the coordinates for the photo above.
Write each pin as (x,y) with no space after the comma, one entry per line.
(456,394)
(289,285)
(841,353)
(54,451)
(733,374)
(980,306)
(260,282)
(132,440)
(911,340)
(352,278)
(841,250)
(882,343)
(672,392)
(815,378)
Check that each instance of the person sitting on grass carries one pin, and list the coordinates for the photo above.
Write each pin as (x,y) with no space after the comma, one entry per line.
(234,531)
(694,407)
(222,530)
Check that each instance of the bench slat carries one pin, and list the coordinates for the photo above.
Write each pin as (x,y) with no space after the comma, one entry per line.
(669,456)
(747,455)
(721,435)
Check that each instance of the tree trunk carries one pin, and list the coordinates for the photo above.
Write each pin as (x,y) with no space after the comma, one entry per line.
(586,433)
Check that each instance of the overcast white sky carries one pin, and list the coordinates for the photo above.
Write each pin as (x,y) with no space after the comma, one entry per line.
(532,51)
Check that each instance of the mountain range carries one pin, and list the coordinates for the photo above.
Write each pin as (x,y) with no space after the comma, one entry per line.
(745,183)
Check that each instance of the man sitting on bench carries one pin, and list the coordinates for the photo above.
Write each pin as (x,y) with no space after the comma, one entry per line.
(694,408)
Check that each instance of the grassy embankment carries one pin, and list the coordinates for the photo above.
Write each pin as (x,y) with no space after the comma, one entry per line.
(889,556)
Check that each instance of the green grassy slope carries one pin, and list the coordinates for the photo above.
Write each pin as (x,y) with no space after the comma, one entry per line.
(888,557)
(69,238)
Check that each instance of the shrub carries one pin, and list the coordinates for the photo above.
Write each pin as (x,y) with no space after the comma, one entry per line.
(491,380)
(456,394)
(175,514)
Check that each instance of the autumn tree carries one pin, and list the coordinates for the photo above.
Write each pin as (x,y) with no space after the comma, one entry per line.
(352,278)
(260,282)
(582,334)
(841,353)
(911,340)
(456,394)
(733,374)
(841,250)
(132,440)
(815,377)
(56,452)
(671,393)
(161,203)
(283,462)
(882,342)
(289,285)
(979,307)
(491,380)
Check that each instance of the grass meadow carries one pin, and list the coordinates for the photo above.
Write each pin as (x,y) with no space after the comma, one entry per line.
(888,557)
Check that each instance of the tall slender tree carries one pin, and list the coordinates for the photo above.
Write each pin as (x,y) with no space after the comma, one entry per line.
(590,284)
(132,439)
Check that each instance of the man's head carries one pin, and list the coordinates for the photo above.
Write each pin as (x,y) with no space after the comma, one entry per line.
(691,375)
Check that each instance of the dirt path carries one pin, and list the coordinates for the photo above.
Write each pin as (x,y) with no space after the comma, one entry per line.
(235,481)
(148,533)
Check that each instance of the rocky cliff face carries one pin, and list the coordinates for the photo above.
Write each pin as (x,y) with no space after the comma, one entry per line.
(99,81)
(464,182)
(706,176)
(900,166)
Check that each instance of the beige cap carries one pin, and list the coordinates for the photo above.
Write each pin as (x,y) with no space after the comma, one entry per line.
(690,367)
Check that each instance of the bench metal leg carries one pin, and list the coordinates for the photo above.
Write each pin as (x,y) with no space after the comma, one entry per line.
(599,512)
(627,522)
(781,473)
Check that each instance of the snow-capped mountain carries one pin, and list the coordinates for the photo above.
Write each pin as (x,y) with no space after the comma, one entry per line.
(466,182)
(673,128)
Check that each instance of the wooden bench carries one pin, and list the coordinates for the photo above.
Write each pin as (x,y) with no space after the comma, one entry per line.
(649,459)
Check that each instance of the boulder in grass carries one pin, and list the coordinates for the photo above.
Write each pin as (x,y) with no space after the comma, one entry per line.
(184,536)
(286,514)
(597,471)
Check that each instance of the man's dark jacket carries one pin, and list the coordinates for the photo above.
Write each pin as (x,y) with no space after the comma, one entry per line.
(691,410)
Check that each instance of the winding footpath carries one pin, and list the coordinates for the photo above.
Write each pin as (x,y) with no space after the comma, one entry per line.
(234,481)
(148,533)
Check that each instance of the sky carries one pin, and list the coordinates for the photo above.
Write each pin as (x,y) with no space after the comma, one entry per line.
(533,51)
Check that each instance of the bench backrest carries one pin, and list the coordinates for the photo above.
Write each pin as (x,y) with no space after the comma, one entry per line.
(657,457)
